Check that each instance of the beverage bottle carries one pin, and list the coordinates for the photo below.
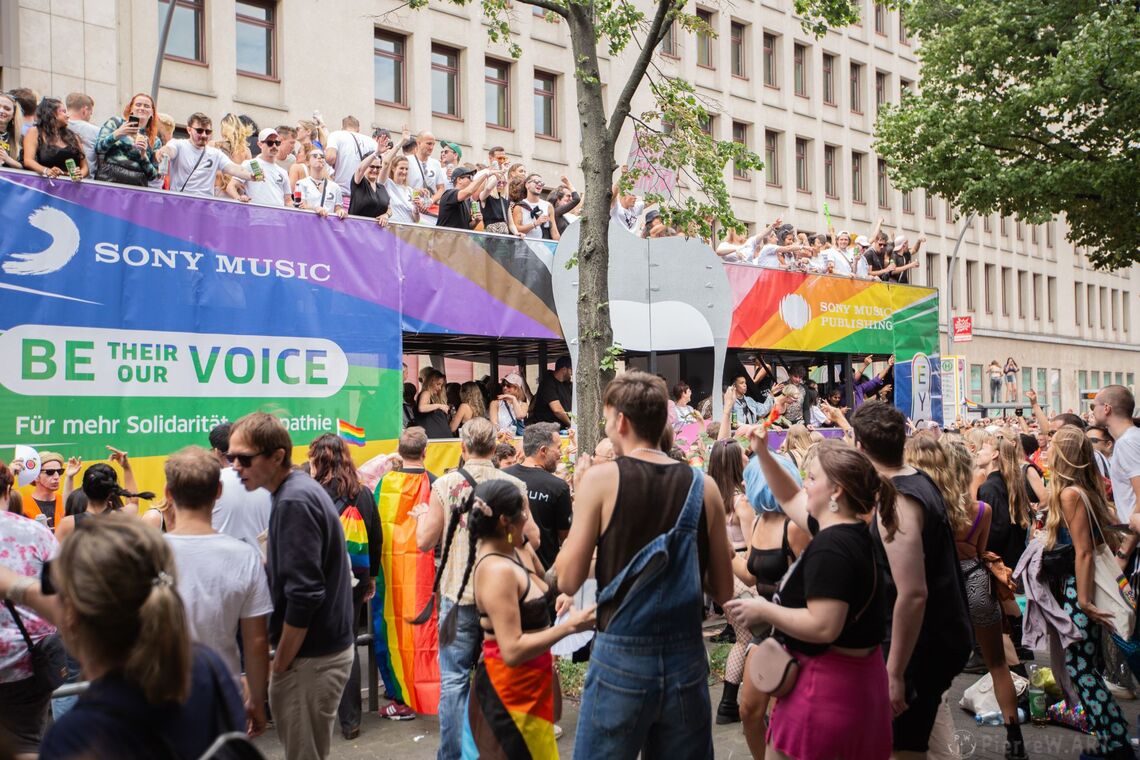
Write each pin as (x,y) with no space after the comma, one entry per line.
(296,199)
(1038,704)
(255,168)
(989,719)
(72,169)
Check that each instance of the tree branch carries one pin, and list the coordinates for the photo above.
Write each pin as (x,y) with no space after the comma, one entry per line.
(622,105)
(546,5)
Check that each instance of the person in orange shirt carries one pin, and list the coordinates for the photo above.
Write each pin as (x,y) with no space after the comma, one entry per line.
(43,496)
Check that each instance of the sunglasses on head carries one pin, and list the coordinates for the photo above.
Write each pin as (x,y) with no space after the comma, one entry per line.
(245,460)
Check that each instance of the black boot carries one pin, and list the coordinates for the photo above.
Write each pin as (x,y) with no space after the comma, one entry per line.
(1014,744)
(728,711)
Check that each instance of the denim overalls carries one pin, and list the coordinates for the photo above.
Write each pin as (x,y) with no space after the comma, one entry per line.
(647,685)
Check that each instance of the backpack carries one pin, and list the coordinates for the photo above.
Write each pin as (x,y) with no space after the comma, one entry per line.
(355,536)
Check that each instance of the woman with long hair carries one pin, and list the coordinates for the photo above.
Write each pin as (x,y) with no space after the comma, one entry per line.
(510,708)
(830,609)
(470,405)
(510,406)
(1078,517)
(951,466)
(330,464)
(796,444)
(49,145)
(726,468)
(403,206)
(432,411)
(1011,369)
(318,191)
(9,137)
(126,144)
(104,496)
(1004,490)
(152,695)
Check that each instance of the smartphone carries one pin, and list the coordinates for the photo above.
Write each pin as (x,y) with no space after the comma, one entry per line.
(133,121)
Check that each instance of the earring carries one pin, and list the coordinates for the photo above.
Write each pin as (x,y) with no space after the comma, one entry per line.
(510,537)
(832,505)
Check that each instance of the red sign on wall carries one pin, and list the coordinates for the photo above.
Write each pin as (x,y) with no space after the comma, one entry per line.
(963,329)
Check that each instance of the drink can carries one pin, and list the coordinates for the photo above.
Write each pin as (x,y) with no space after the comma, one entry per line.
(255,167)
(296,199)
(72,169)
(474,207)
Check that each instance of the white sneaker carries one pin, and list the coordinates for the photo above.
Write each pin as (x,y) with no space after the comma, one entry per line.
(557,732)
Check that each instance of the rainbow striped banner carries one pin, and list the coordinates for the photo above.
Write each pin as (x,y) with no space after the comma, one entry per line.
(406,654)
(350,433)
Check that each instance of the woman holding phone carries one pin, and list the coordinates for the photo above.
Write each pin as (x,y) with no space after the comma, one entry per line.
(124,150)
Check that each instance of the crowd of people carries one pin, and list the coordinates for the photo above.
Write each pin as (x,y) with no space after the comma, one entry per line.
(881,561)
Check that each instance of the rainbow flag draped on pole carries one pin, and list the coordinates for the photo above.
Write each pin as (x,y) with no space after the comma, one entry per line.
(406,654)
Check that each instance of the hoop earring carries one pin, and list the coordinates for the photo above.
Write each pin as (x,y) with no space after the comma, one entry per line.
(832,505)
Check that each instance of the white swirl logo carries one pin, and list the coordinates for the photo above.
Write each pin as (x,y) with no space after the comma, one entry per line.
(64,244)
(795,311)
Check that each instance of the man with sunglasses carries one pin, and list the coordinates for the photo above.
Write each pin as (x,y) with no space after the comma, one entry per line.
(272,188)
(193,163)
(44,495)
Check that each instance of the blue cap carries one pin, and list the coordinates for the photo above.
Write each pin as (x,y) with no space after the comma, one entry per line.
(756,486)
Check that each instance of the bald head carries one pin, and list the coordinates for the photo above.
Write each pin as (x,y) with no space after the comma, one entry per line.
(1114,401)
(425,144)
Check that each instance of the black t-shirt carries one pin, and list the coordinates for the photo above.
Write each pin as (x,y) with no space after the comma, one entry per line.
(839,564)
(47,508)
(550,506)
(901,259)
(1007,537)
(875,262)
(454,212)
(549,390)
(364,201)
(495,210)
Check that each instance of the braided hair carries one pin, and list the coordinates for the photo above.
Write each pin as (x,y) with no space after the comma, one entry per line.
(100,483)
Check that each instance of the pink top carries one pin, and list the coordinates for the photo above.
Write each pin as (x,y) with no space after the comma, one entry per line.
(24,546)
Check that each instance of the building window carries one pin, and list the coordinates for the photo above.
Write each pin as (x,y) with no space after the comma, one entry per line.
(929,210)
(1022,293)
(705,123)
(444,80)
(884,184)
(545,112)
(799,62)
(497,92)
(770,61)
(1051,298)
(739,50)
(740,136)
(1006,290)
(803,176)
(669,41)
(1033,234)
(256,30)
(1049,234)
(1115,309)
(1037,295)
(976,382)
(388,72)
(1078,302)
(971,284)
(988,286)
(857,87)
(771,157)
(1090,303)
(830,186)
(903,38)
(905,86)
(932,270)
(986,223)
(908,202)
(882,82)
(704,39)
(1003,228)
(1020,230)
(857,177)
(880,20)
(187,30)
(949,211)
(829,79)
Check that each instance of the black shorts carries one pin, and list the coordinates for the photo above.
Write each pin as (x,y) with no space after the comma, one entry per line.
(925,686)
(23,715)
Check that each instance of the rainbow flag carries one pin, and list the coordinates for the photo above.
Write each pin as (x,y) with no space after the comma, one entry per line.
(350,433)
(407,655)
(355,539)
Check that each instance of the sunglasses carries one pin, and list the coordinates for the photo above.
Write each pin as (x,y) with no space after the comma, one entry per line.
(1097,440)
(203,131)
(51,473)
(245,460)
(272,142)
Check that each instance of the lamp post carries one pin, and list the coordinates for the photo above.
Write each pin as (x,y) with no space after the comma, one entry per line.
(161,51)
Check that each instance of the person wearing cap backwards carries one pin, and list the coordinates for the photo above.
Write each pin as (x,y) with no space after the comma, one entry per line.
(45,492)
(455,204)
(905,259)
(450,154)
(510,407)
(273,188)
(553,401)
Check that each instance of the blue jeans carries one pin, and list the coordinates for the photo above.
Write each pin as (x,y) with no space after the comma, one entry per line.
(456,661)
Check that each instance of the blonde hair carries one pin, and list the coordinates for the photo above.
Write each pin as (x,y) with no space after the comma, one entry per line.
(118,575)
(430,377)
(471,394)
(926,454)
(1010,457)
(797,442)
(234,135)
(1072,465)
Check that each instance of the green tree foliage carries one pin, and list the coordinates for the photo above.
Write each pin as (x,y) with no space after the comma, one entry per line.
(1026,107)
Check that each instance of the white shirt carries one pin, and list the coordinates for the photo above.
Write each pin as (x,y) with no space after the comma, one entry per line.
(270,191)
(541,207)
(351,148)
(400,208)
(87,134)
(1124,466)
(324,193)
(839,260)
(197,180)
(768,257)
(221,582)
(239,513)
(627,217)
(428,174)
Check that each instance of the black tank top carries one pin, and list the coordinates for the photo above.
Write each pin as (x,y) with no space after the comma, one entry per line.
(768,566)
(534,614)
(55,156)
(944,640)
(649,500)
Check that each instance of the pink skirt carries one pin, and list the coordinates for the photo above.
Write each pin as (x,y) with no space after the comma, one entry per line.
(839,708)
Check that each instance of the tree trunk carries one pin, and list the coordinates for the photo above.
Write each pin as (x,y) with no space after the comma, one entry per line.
(595,335)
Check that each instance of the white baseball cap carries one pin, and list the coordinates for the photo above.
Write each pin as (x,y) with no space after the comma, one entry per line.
(266,133)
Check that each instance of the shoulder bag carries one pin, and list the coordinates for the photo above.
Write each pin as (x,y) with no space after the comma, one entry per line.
(1111,592)
(49,661)
(774,670)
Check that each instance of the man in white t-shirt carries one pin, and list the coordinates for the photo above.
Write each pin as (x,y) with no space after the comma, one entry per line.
(1113,407)
(271,183)
(221,580)
(426,174)
(193,163)
(626,208)
(346,149)
(239,513)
